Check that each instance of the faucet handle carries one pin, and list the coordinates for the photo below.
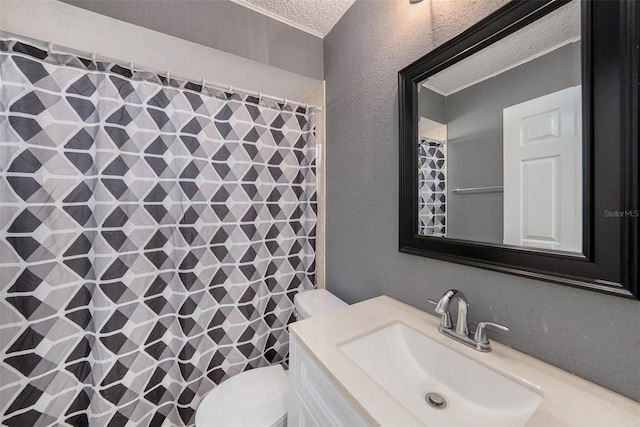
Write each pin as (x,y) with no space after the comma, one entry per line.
(481,332)
(445,321)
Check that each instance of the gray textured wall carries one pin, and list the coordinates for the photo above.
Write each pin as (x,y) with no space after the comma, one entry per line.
(474,150)
(222,25)
(592,335)
(431,105)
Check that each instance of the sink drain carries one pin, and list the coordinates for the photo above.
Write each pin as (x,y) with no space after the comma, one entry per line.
(436,400)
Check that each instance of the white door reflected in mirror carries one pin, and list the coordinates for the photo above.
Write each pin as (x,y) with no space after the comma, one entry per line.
(542,172)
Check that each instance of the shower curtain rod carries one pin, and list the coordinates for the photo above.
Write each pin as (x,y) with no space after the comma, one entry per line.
(49,46)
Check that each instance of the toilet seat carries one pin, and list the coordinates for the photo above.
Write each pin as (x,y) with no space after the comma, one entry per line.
(257,397)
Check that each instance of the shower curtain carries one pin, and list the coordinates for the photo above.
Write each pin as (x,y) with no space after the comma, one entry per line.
(432,188)
(153,234)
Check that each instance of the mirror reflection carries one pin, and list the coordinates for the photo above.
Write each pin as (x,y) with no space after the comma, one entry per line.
(500,140)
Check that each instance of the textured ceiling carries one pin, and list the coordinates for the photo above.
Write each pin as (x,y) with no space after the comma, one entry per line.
(313,16)
(544,35)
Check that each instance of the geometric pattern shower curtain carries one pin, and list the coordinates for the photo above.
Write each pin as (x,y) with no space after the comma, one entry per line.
(153,235)
(432,188)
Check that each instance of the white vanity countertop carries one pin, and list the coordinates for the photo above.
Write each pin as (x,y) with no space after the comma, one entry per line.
(567,399)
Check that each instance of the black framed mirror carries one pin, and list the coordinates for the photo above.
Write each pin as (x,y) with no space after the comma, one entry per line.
(519,145)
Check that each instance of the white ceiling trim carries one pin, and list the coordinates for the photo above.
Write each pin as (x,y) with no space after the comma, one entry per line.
(315,17)
(488,76)
(282,19)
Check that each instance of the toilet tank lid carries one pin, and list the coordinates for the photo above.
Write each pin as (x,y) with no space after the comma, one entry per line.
(316,302)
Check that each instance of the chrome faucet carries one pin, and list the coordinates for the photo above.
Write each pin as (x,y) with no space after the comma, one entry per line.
(442,308)
(460,333)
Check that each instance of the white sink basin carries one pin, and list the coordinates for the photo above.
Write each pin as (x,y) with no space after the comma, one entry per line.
(409,365)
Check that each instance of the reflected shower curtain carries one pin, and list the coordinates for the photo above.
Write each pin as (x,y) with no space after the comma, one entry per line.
(432,188)
(153,234)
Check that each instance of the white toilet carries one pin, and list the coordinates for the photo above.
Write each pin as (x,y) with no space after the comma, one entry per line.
(258,397)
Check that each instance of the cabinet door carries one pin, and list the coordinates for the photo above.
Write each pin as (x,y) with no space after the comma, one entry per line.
(299,415)
(323,403)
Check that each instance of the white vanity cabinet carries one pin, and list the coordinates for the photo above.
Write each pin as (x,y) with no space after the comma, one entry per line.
(314,400)
(369,364)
